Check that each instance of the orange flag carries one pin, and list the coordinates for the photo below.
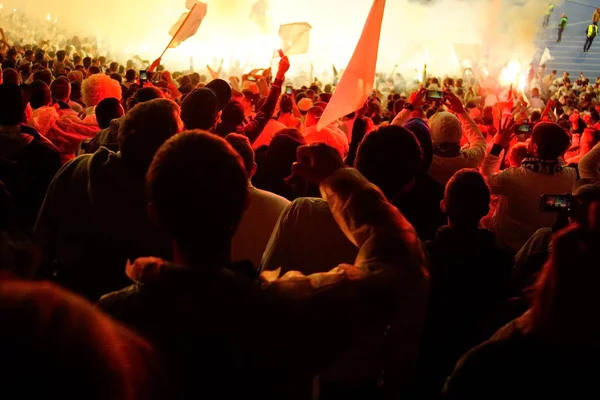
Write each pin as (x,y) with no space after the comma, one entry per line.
(187,25)
(356,83)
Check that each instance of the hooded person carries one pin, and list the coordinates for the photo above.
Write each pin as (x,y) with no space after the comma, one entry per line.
(446,134)
(93,218)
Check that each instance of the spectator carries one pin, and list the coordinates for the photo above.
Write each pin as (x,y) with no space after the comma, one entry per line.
(94,216)
(307,236)
(330,135)
(226,307)
(108,137)
(11,76)
(27,161)
(107,110)
(96,88)
(77,351)
(275,166)
(551,349)
(264,209)
(469,277)
(517,215)
(61,92)
(271,128)
(286,115)
(446,134)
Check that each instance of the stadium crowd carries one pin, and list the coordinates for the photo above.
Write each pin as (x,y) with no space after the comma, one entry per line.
(174,236)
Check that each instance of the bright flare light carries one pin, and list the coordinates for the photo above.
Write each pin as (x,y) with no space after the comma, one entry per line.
(48,17)
(522,80)
(510,74)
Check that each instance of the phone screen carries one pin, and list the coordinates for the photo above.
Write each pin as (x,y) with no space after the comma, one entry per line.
(143,75)
(251,78)
(289,90)
(435,94)
(556,202)
(524,128)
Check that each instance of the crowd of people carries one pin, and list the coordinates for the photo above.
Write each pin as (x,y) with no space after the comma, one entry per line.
(171,236)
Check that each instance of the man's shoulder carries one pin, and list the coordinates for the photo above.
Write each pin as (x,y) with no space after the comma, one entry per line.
(269,198)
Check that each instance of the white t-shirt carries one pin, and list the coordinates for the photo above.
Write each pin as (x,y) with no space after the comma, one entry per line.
(254,231)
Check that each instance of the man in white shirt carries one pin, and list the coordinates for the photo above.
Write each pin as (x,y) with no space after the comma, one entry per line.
(518,214)
(259,219)
(330,135)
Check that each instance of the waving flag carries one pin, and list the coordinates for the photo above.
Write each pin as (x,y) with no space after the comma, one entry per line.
(187,25)
(546,56)
(357,82)
(295,38)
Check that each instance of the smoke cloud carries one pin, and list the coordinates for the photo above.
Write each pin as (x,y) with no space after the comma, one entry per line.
(414,31)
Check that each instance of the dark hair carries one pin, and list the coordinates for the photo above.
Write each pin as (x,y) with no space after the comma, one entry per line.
(10,75)
(209,216)
(241,144)
(285,104)
(199,109)
(113,66)
(552,140)
(467,198)
(116,77)
(130,75)
(390,158)
(61,88)
(94,69)
(43,75)
(77,349)
(143,95)
(144,129)
(76,58)
(12,107)
(87,62)
(60,55)
(39,95)
(107,110)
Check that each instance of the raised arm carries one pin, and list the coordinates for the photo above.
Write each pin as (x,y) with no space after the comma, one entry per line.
(253,129)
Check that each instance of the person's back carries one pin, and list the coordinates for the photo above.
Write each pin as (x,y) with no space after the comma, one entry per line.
(551,350)
(28,162)
(94,216)
(518,215)
(468,274)
(446,133)
(260,216)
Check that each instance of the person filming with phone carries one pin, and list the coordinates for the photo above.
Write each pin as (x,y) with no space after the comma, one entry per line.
(517,215)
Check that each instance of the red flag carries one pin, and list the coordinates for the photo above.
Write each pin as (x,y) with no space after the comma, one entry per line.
(357,81)
(187,25)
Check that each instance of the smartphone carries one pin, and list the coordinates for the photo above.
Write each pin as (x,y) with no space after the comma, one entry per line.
(251,78)
(523,128)
(289,90)
(556,202)
(435,95)
(143,76)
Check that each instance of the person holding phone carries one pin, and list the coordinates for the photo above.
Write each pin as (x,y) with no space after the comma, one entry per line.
(518,215)
(287,116)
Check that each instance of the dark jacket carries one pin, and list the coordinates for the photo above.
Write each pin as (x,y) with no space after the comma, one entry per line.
(93,220)
(26,167)
(223,335)
(518,363)
(468,281)
(105,138)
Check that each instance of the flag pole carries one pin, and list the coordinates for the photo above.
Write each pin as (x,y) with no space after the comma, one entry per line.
(176,33)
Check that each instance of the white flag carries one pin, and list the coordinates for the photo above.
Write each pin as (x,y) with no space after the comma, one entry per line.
(295,38)
(357,82)
(546,56)
(187,25)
